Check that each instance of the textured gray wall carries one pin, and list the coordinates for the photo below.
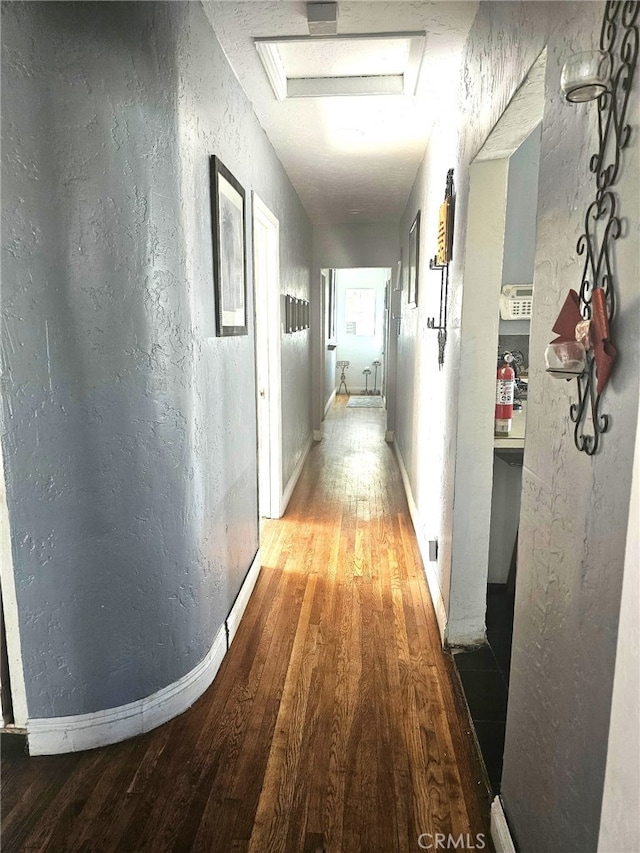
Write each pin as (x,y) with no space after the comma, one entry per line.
(296,396)
(575,509)
(522,207)
(129,428)
(356,245)
(575,517)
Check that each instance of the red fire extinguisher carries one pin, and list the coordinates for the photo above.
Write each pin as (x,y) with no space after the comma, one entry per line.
(504,399)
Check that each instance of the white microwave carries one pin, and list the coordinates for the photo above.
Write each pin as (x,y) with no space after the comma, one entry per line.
(516,301)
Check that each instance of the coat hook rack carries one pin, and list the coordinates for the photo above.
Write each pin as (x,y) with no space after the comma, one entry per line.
(441,262)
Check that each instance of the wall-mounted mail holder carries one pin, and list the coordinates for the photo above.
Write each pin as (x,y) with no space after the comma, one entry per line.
(296,314)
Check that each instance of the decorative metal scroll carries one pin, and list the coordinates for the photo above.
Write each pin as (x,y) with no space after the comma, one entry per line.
(445,242)
(602,225)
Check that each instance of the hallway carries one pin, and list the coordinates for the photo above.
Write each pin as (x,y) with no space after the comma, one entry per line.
(333,723)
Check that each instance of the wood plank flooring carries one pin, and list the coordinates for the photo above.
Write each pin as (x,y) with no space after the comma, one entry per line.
(335,724)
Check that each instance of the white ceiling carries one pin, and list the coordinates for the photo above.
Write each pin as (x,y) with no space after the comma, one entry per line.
(350,158)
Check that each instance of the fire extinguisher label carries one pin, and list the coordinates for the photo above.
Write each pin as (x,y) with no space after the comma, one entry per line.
(504,392)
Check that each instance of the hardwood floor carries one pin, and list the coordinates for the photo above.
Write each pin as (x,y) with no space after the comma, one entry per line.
(335,722)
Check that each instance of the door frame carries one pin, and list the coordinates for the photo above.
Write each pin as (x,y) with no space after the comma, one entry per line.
(10,612)
(479,330)
(266,277)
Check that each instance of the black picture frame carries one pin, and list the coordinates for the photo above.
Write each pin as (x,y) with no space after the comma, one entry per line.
(288,314)
(228,223)
(413,262)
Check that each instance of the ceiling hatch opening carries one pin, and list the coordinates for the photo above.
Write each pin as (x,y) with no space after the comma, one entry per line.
(348,64)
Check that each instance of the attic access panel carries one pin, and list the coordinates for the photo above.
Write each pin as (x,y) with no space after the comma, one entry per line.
(349,64)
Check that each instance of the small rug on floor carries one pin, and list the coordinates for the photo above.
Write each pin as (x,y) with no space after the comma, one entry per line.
(372,402)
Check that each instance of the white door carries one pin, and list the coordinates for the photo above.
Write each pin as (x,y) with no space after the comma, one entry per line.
(266,249)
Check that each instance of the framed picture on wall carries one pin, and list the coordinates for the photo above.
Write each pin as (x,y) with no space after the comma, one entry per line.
(288,314)
(413,261)
(229,251)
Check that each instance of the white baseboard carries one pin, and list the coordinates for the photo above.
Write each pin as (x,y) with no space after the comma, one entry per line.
(55,735)
(330,401)
(239,606)
(423,546)
(293,479)
(500,833)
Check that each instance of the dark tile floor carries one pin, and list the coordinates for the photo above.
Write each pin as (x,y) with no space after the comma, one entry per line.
(484,673)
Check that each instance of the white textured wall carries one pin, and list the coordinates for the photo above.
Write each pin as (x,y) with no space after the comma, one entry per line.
(620,822)
(476,401)
(575,510)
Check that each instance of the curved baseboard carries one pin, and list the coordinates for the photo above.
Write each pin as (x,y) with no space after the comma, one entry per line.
(55,735)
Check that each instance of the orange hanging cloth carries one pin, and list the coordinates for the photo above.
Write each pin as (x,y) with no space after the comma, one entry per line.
(603,350)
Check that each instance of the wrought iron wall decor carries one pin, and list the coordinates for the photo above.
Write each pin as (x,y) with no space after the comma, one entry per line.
(441,262)
(619,41)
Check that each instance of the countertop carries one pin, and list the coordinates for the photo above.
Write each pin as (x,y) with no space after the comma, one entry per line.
(515,439)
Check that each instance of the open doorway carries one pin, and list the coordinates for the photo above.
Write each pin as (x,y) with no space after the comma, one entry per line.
(359,330)
(266,250)
(484,672)
(499,290)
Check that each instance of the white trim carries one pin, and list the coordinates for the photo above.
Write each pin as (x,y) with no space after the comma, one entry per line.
(414,65)
(269,360)
(10,605)
(423,546)
(317,435)
(330,402)
(270,56)
(55,735)
(333,87)
(500,833)
(389,436)
(293,480)
(237,611)
(286,87)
